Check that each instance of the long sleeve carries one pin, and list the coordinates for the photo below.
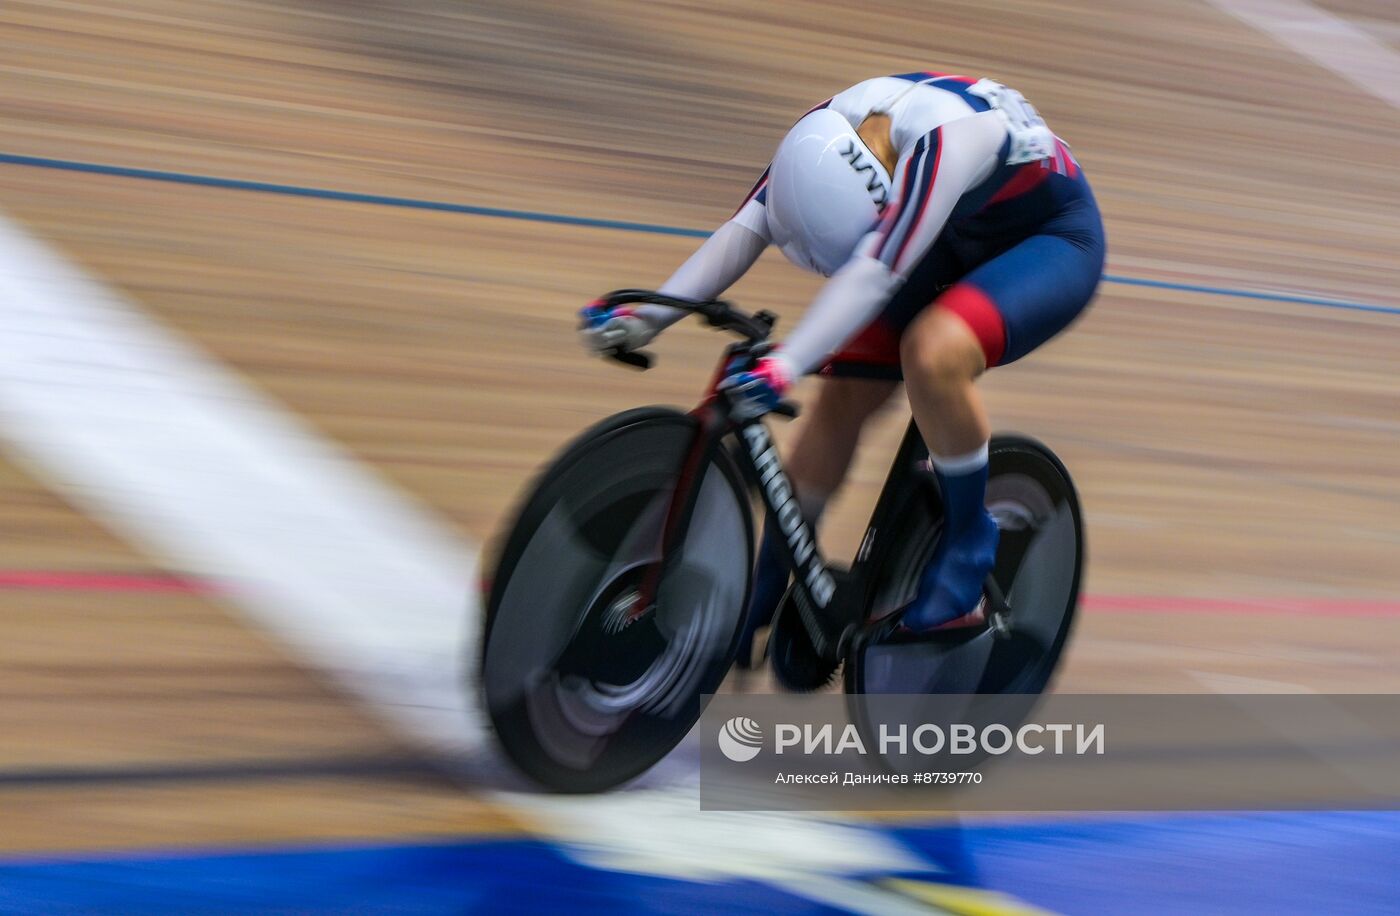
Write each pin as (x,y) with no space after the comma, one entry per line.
(848,302)
(718,263)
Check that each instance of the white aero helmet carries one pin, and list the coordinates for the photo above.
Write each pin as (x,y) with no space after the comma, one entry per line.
(826,189)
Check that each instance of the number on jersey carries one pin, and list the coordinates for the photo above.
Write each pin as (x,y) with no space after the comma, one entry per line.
(1031,139)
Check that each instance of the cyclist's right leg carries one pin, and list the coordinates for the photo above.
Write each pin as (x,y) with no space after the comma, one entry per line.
(816,465)
(858,380)
(1001,310)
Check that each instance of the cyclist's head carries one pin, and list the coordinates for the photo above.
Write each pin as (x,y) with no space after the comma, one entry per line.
(826,189)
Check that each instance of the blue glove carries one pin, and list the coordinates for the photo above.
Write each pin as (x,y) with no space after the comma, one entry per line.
(754,392)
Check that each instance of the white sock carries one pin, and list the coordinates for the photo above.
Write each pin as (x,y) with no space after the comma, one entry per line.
(957,465)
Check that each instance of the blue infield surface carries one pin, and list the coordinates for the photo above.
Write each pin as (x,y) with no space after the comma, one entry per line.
(1328,862)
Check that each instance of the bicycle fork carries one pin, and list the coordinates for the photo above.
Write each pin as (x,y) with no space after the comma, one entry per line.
(681,506)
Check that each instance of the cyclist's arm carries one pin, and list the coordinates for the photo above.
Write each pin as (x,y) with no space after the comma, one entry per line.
(720,261)
(943,166)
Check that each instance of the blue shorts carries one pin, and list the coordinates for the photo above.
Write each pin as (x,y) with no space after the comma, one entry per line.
(1017,271)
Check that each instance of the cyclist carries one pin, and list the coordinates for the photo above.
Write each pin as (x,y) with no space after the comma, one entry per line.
(958,233)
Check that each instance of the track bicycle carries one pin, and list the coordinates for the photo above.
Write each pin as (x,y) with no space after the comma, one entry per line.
(619,593)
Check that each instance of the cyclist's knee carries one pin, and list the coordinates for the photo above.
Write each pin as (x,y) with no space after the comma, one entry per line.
(940,350)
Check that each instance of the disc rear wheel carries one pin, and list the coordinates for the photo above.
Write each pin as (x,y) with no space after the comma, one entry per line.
(1039,563)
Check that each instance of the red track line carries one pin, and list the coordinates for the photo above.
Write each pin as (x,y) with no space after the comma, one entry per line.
(1163,604)
(77,581)
(163,583)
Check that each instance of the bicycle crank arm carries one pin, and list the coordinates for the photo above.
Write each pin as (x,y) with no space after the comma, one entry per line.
(997,611)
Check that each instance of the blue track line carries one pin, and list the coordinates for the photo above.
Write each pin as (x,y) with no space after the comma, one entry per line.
(381,200)
(1253,294)
(535,216)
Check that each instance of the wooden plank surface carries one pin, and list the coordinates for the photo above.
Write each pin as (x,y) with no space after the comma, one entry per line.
(1226,448)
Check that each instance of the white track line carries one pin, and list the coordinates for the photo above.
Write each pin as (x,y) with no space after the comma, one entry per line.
(177,454)
(1327,40)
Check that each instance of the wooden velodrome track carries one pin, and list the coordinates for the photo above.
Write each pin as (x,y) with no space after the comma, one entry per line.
(1236,455)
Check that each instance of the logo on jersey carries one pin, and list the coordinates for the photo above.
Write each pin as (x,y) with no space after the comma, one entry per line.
(856,158)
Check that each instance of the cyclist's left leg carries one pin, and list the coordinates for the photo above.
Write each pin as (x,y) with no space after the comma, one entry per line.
(826,437)
(999,312)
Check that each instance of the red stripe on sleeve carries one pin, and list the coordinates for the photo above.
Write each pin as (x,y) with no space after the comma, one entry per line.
(753,192)
(892,214)
(923,205)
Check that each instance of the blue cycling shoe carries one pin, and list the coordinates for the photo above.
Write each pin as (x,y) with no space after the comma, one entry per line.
(951,586)
(770,582)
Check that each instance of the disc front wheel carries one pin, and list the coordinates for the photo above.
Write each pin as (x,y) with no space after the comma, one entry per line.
(587,683)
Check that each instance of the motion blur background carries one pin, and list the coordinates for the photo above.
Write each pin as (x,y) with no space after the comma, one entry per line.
(287,294)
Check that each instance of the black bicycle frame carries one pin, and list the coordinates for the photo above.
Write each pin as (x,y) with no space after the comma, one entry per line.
(832,601)
(830,616)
